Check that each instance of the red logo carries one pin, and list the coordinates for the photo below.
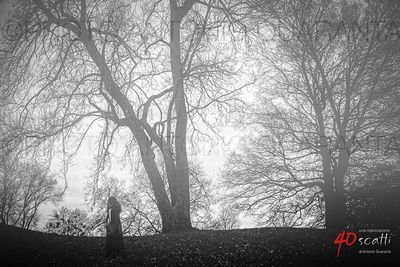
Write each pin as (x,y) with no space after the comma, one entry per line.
(348,239)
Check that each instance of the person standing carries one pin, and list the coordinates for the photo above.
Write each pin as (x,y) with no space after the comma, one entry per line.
(114,242)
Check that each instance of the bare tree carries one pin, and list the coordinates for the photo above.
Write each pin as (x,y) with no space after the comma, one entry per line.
(24,188)
(326,91)
(73,222)
(148,70)
(226,219)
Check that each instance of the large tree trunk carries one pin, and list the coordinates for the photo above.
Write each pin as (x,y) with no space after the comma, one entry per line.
(333,187)
(334,211)
(340,198)
(182,206)
(333,214)
(335,208)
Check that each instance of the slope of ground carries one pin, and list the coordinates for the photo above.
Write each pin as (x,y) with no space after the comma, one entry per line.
(245,247)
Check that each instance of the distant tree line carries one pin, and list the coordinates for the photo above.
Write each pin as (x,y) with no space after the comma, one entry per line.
(24,188)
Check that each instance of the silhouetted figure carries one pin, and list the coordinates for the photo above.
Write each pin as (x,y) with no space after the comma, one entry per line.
(114,243)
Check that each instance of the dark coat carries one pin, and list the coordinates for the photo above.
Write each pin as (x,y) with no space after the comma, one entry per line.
(114,242)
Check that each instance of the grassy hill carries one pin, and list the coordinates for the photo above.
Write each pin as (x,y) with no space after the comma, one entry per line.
(244,247)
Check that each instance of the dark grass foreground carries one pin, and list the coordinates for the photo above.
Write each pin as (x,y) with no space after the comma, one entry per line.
(246,247)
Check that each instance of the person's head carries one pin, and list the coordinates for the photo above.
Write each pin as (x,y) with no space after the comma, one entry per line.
(113,204)
(112,201)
